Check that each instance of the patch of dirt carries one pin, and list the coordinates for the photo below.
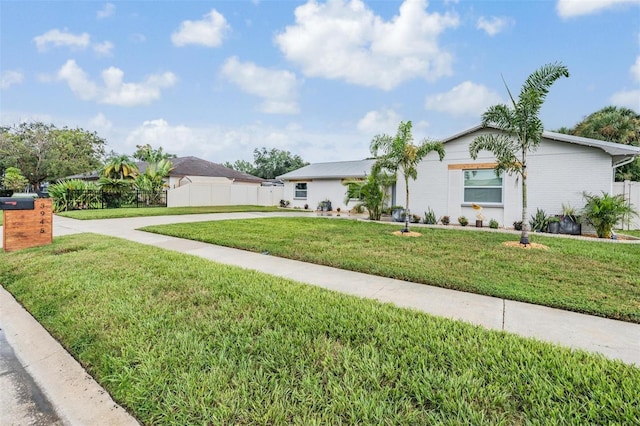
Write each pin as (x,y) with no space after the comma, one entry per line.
(527,247)
(407,234)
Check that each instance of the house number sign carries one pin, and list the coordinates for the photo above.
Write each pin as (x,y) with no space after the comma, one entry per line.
(28,228)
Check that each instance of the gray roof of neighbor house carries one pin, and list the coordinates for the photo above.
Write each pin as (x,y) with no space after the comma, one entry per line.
(334,170)
(194,166)
(614,149)
(189,166)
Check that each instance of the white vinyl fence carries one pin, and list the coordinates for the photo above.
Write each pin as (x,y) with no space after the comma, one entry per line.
(212,194)
(631,193)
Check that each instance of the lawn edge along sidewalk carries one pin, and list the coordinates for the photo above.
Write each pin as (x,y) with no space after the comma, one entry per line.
(75,396)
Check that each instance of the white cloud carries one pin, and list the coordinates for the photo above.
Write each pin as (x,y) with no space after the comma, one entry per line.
(114,91)
(9,78)
(635,69)
(466,98)
(627,98)
(57,38)
(384,121)
(571,8)
(103,49)
(278,88)
(107,11)
(494,24)
(346,40)
(100,123)
(207,32)
(220,143)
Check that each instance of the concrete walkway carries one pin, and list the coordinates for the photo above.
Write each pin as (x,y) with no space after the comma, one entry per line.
(50,365)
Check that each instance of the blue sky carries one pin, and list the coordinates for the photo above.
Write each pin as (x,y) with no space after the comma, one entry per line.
(216,79)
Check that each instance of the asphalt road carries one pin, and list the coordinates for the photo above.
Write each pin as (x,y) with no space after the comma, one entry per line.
(22,401)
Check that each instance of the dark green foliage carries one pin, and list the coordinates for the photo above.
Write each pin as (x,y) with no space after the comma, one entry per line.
(45,153)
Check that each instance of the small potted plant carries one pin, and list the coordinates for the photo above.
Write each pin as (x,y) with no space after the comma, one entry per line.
(517,225)
(493,224)
(444,220)
(463,221)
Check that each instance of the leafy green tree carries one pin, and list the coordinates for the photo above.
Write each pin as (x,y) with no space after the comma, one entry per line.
(605,211)
(371,193)
(242,166)
(45,153)
(150,155)
(14,180)
(398,154)
(268,164)
(612,124)
(521,129)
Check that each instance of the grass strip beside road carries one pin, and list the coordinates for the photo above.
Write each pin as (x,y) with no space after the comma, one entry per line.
(181,340)
(166,211)
(584,276)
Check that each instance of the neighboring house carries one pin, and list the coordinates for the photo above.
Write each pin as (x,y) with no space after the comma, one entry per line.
(189,170)
(193,169)
(559,171)
(318,182)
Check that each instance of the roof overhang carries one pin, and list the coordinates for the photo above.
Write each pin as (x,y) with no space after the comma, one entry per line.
(618,152)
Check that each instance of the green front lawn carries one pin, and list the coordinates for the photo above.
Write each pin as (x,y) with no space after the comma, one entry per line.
(181,340)
(633,233)
(584,276)
(165,211)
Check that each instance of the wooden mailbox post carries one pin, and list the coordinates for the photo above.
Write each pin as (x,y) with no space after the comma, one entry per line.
(26,222)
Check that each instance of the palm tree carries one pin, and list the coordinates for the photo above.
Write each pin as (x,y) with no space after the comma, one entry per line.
(613,124)
(120,167)
(521,129)
(399,154)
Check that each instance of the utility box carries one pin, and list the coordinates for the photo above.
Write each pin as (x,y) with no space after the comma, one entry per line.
(27,222)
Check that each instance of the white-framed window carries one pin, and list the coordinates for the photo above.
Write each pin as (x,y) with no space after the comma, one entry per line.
(300,191)
(482,186)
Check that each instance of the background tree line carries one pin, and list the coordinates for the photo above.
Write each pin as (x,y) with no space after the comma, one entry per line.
(268,164)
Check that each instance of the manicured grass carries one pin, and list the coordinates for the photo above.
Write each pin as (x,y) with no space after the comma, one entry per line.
(633,233)
(584,276)
(165,211)
(180,340)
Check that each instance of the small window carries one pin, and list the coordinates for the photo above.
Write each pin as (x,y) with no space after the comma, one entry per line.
(301,190)
(482,186)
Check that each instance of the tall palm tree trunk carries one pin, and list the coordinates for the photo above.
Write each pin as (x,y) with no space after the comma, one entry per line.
(406,208)
(524,236)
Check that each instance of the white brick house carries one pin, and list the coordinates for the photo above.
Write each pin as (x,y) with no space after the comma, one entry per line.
(559,171)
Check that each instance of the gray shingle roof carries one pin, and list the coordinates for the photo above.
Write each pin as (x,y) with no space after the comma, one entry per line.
(188,166)
(338,169)
(194,166)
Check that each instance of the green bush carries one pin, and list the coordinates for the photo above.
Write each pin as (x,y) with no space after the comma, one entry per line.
(462,220)
(493,224)
(539,221)
(73,194)
(605,211)
(430,217)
